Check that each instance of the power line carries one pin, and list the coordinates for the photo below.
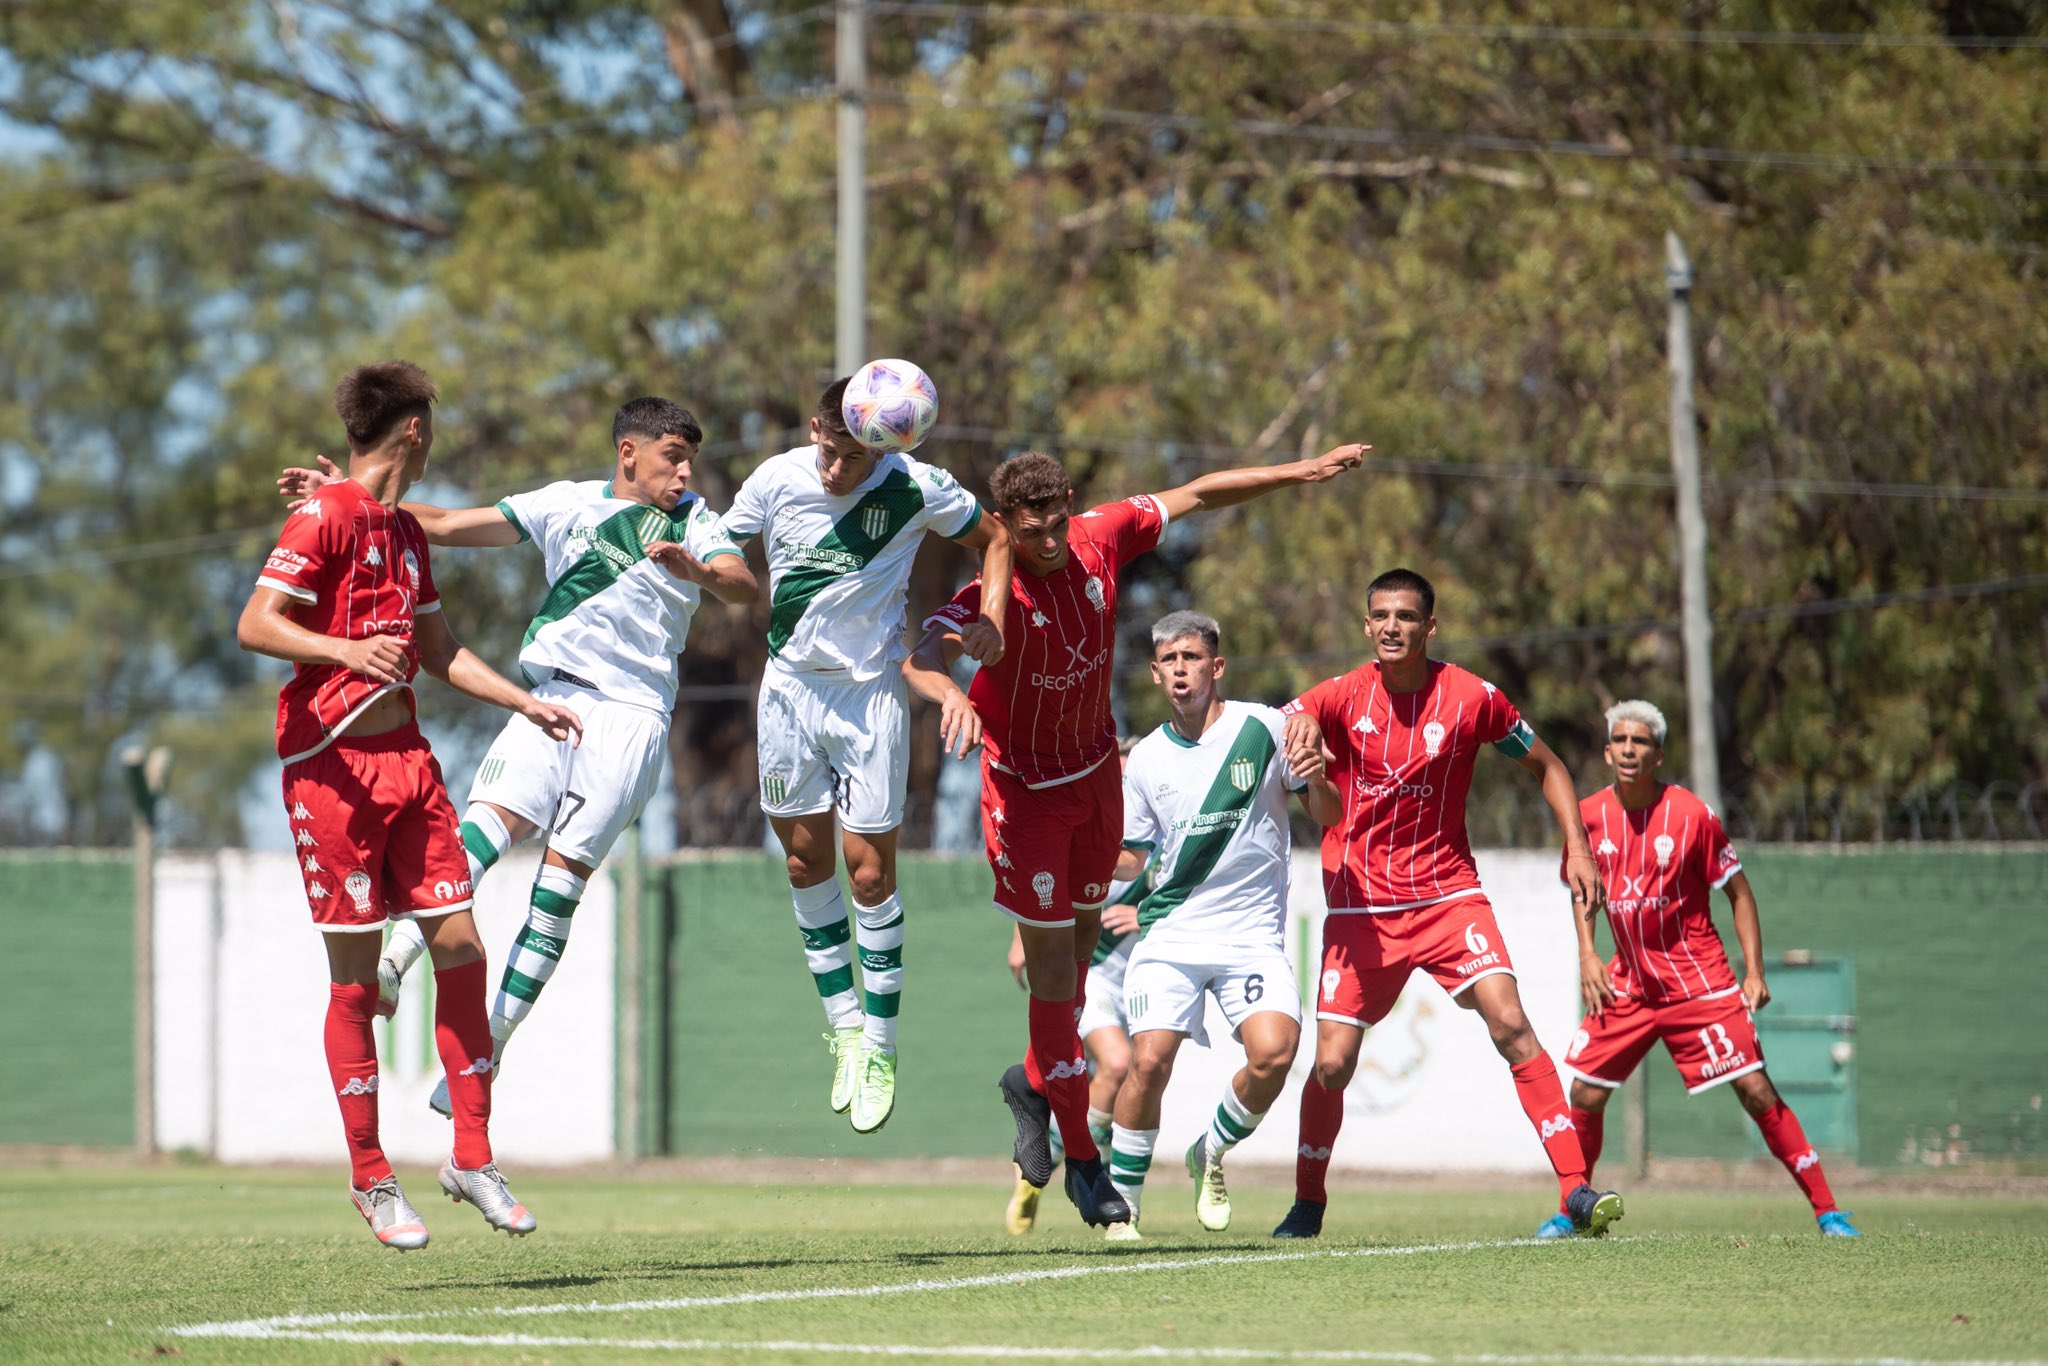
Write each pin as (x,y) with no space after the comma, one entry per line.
(1404,30)
(1351,136)
(1784,611)
(1218,454)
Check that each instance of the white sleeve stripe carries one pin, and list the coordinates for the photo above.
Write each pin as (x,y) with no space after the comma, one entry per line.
(433,606)
(290,590)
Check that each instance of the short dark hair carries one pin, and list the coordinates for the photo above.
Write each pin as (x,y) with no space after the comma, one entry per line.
(1403,581)
(373,399)
(653,418)
(831,414)
(1032,480)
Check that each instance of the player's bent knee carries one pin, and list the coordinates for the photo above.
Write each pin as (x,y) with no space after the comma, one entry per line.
(1592,1099)
(1334,1074)
(1755,1092)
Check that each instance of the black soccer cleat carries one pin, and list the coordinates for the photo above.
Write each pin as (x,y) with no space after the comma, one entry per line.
(1304,1220)
(1033,1113)
(1592,1211)
(1089,1188)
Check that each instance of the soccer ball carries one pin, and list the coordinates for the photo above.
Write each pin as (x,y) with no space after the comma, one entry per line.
(890,405)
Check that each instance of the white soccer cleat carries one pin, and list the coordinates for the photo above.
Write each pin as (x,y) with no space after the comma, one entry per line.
(486,1189)
(1212,1197)
(845,1047)
(1123,1231)
(390,1215)
(389,979)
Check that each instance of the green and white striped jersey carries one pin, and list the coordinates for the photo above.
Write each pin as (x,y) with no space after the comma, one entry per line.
(1214,811)
(839,565)
(612,616)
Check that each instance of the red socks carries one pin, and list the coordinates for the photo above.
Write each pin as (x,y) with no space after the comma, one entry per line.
(1787,1142)
(1592,1127)
(1536,1086)
(352,1064)
(462,1036)
(1322,1115)
(1056,1070)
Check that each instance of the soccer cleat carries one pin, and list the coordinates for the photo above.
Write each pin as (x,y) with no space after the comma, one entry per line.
(1123,1231)
(1212,1198)
(439,1102)
(388,980)
(1032,1151)
(1835,1224)
(844,1046)
(875,1098)
(1304,1220)
(390,1215)
(1591,1211)
(486,1189)
(1023,1210)
(1089,1188)
(1556,1226)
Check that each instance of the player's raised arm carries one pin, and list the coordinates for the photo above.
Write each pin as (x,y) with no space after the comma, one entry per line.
(927,673)
(1225,488)
(447,659)
(982,640)
(1589,893)
(484,526)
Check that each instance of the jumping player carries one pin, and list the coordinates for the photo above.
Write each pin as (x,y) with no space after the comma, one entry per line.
(348,597)
(1399,736)
(1209,789)
(841,525)
(1661,851)
(1052,805)
(627,560)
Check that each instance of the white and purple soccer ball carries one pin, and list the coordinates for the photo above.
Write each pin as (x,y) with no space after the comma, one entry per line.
(890,405)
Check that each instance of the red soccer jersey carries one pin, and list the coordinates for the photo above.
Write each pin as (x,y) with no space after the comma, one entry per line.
(1404,765)
(354,568)
(1660,866)
(1045,707)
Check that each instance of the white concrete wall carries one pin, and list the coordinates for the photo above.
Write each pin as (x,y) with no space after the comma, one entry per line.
(241,995)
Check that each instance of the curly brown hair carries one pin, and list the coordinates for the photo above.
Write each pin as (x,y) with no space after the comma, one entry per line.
(1032,480)
(373,399)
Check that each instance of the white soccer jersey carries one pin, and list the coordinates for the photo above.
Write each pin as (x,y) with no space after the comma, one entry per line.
(612,617)
(1215,812)
(839,566)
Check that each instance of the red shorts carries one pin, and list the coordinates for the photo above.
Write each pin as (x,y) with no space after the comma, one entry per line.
(375,832)
(1052,848)
(1712,1039)
(1367,958)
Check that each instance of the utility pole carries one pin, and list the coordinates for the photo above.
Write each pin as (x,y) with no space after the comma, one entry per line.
(147,774)
(1697,627)
(850,333)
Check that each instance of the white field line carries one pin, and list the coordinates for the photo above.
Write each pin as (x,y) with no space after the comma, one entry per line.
(396,1338)
(267,1327)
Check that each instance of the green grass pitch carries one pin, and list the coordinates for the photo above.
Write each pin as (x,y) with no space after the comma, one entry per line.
(109,1263)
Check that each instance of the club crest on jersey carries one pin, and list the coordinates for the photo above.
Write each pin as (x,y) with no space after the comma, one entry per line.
(1093,588)
(775,788)
(1042,884)
(1243,773)
(874,521)
(357,885)
(412,570)
(1664,844)
(1433,738)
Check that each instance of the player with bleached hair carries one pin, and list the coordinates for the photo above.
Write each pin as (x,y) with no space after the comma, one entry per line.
(628,560)
(842,524)
(1209,791)
(1662,852)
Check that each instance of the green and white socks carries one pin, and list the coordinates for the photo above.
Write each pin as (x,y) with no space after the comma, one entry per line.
(879,932)
(538,949)
(821,918)
(1233,1123)
(1130,1160)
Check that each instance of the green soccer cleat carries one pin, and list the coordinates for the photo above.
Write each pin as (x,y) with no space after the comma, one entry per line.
(875,1097)
(1212,1197)
(844,1046)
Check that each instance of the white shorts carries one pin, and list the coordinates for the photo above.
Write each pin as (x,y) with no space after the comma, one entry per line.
(1104,1008)
(583,796)
(828,741)
(1165,983)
